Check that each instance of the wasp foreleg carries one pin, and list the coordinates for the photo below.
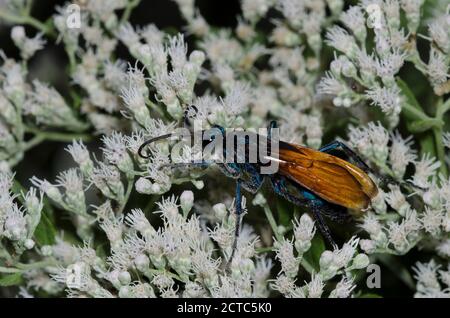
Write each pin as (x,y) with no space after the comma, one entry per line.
(178,165)
(238,212)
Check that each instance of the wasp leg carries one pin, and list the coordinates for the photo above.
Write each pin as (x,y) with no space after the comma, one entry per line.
(256,180)
(230,170)
(238,212)
(273,124)
(314,203)
(202,164)
(323,227)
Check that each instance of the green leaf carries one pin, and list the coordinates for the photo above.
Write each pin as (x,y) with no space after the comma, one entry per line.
(410,98)
(11,280)
(45,231)
(18,189)
(285,211)
(427,144)
(314,253)
(397,268)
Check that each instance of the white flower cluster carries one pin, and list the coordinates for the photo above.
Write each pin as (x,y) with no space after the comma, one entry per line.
(178,259)
(332,263)
(396,222)
(363,74)
(18,222)
(432,282)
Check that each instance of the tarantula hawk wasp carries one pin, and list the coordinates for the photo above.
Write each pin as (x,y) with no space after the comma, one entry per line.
(324,183)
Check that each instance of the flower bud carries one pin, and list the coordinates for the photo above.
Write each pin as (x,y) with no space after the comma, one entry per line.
(29,244)
(360,261)
(142,263)
(259,199)
(187,201)
(124,278)
(220,210)
(144,186)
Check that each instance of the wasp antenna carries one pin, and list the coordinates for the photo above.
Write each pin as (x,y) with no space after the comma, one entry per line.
(148,142)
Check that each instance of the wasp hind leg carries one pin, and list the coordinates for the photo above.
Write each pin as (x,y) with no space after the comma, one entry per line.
(340,146)
(317,206)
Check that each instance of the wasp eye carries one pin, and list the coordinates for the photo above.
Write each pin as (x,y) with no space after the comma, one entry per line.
(212,138)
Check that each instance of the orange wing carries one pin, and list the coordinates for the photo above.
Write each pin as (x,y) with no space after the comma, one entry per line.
(333,179)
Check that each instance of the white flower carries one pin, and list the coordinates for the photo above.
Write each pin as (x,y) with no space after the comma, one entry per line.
(329,85)
(398,233)
(390,64)
(283,284)
(371,224)
(425,168)
(237,99)
(107,179)
(444,249)
(354,20)
(343,289)
(113,229)
(438,30)
(115,152)
(304,231)
(401,154)
(432,221)
(15,224)
(27,46)
(168,207)
(343,256)
(255,9)
(128,36)
(437,68)
(285,253)
(426,275)
(50,190)
(339,38)
(397,200)
(388,99)
(137,220)
(315,286)
(177,50)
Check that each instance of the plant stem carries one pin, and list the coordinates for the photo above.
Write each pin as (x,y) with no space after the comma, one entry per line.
(27,19)
(25,267)
(307,266)
(33,142)
(59,136)
(130,6)
(130,185)
(9,270)
(440,150)
(272,222)
(438,132)
(42,264)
